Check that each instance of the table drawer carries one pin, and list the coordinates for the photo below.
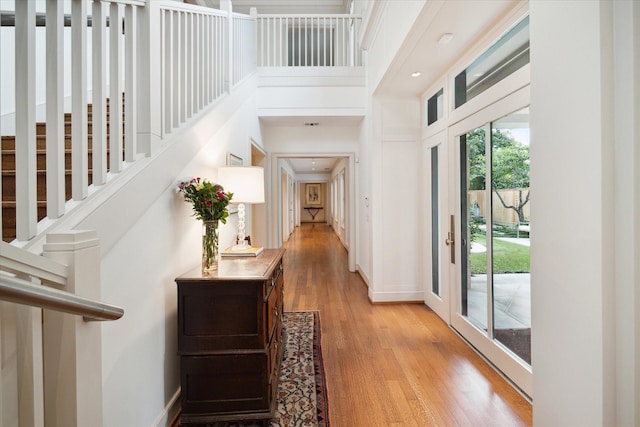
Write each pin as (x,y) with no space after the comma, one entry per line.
(230,317)
(225,383)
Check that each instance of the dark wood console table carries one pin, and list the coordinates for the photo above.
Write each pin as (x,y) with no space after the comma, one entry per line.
(230,339)
(313,211)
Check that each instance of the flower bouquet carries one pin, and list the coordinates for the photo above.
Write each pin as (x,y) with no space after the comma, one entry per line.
(209,202)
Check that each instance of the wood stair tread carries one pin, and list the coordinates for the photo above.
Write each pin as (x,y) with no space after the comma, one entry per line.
(8,172)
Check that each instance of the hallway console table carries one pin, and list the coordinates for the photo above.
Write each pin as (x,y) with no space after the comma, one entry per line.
(230,339)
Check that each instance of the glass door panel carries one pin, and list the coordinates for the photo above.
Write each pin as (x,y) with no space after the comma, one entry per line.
(435,223)
(511,225)
(473,245)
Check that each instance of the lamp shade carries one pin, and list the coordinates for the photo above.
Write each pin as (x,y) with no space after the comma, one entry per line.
(245,182)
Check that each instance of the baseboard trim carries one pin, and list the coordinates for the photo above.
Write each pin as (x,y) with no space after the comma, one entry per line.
(362,274)
(169,416)
(394,297)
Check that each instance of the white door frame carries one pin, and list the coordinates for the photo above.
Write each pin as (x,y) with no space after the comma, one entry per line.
(275,234)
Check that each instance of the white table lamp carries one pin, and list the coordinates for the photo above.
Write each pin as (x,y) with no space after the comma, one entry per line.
(247,185)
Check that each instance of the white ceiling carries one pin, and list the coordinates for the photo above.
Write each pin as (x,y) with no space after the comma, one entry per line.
(311,120)
(311,165)
(468,21)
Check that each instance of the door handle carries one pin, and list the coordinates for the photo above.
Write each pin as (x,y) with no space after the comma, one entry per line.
(451,239)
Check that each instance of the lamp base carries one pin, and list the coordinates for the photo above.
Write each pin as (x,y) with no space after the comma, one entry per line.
(239,247)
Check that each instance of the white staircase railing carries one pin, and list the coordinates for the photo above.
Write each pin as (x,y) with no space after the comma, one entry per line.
(66,68)
(171,59)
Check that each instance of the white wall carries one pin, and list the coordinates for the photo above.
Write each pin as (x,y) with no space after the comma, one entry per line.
(395,199)
(388,167)
(363,208)
(311,91)
(312,140)
(580,330)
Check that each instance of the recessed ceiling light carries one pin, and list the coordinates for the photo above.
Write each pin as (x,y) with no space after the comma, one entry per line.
(416,74)
(445,38)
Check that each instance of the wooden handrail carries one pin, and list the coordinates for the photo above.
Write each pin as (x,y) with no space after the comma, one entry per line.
(23,292)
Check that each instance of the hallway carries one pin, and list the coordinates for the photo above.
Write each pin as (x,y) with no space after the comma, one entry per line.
(390,364)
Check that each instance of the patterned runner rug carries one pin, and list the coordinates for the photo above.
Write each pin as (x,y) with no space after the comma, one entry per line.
(302,391)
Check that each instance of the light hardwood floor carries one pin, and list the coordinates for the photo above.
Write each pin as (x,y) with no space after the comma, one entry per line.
(390,364)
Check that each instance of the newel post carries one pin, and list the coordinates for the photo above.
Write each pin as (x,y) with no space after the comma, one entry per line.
(73,346)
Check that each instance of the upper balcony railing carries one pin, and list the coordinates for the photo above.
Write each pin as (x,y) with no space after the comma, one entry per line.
(308,41)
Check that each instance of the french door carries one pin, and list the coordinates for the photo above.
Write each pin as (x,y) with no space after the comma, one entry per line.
(437,288)
(487,235)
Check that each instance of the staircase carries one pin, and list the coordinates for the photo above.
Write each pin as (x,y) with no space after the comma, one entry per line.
(8,161)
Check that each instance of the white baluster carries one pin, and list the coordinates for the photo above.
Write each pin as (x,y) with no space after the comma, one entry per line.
(26,203)
(55,110)
(167,70)
(201,62)
(99,107)
(206,65)
(115,89)
(225,5)
(195,43)
(30,366)
(188,44)
(331,41)
(324,41)
(182,36)
(221,56)
(79,161)
(130,84)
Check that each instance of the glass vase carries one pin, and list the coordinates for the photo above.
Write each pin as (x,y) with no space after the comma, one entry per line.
(210,250)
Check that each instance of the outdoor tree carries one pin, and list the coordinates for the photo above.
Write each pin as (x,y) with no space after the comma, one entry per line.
(510,166)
